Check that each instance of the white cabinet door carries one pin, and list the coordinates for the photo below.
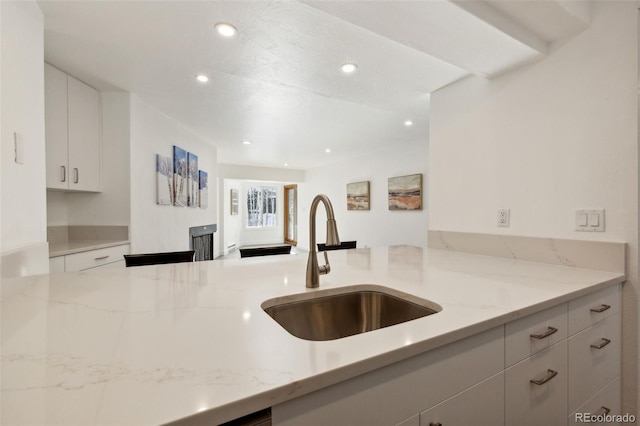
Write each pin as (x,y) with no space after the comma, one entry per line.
(56,137)
(536,389)
(605,402)
(56,264)
(72,130)
(594,359)
(84,136)
(392,394)
(480,405)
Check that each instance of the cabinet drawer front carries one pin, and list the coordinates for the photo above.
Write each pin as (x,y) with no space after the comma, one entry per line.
(93,258)
(480,405)
(534,333)
(391,394)
(606,401)
(594,307)
(591,368)
(527,403)
(56,264)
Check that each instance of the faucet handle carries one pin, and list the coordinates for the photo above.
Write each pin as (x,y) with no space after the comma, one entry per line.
(326,268)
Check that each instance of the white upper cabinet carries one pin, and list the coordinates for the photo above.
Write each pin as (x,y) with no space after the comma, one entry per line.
(72,128)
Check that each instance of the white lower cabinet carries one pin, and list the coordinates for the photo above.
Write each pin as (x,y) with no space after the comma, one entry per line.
(56,264)
(395,393)
(480,405)
(536,388)
(595,359)
(542,369)
(605,402)
(109,257)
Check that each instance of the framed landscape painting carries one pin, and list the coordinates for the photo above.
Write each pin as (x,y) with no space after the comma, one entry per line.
(164,180)
(234,202)
(192,180)
(179,176)
(203,185)
(358,196)
(405,192)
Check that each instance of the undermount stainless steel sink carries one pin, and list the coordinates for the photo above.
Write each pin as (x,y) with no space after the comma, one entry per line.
(325,315)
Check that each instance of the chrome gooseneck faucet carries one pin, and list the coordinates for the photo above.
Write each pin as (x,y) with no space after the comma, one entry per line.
(313,269)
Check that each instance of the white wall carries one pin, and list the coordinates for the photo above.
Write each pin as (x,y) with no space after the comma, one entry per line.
(22,198)
(378,226)
(556,136)
(164,228)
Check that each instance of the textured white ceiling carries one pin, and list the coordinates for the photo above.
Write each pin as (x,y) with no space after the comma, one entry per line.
(278,82)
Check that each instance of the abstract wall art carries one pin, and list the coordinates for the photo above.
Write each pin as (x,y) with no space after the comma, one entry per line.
(358,196)
(405,192)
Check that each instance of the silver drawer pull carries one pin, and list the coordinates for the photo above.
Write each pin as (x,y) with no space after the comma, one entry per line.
(549,332)
(604,342)
(101,257)
(76,175)
(602,308)
(603,411)
(550,375)
(63,174)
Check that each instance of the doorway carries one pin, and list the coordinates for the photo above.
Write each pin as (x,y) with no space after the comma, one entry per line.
(291,214)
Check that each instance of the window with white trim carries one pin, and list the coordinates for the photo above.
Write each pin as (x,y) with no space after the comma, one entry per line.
(261,207)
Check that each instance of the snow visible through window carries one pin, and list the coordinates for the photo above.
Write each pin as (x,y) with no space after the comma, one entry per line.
(261,207)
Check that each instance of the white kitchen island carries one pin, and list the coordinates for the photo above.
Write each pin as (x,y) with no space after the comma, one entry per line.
(191,343)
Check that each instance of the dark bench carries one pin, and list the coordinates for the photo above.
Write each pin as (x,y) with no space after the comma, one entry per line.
(264,251)
(343,245)
(158,258)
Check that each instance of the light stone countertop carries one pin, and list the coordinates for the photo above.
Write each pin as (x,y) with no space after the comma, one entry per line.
(155,344)
(64,248)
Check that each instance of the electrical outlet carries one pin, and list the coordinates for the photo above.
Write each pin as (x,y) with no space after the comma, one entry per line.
(504,217)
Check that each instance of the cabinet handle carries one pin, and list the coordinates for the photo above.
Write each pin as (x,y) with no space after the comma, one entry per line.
(435,424)
(76,175)
(550,375)
(604,342)
(63,174)
(602,308)
(549,332)
(101,257)
(603,411)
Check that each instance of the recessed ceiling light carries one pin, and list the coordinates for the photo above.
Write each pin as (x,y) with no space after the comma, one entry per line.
(202,78)
(327,150)
(408,123)
(247,142)
(286,164)
(225,30)
(348,68)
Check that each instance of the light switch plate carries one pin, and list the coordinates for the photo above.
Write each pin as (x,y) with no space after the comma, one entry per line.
(589,220)
(18,143)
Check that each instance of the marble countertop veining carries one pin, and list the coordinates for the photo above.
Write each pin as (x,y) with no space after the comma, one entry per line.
(156,344)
